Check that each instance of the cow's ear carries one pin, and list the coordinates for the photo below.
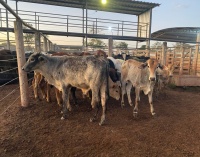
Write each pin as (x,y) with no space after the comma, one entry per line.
(162,67)
(41,58)
(142,66)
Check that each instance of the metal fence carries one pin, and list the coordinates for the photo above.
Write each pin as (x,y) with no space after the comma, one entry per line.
(69,23)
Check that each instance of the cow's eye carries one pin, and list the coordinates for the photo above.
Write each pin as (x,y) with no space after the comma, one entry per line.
(32,59)
(116,91)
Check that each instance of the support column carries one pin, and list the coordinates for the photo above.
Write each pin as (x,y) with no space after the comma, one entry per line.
(49,46)
(23,82)
(196,53)
(45,44)
(83,44)
(86,31)
(110,46)
(37,42)
(164,53)
(8,38)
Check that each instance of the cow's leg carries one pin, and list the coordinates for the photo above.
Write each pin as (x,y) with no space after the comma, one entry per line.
(48,92)
(65,97)
(123,92)
(58,96)
(104,98)
(73,92)
(137,99)
(128,91)
(35,90)
(151,102)
(95,103)
(69,107)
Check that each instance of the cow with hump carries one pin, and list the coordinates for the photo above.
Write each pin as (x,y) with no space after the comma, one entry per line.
(83,72)
(142,76)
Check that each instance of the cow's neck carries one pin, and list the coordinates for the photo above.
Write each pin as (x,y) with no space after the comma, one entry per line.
(47,70)
(146,85)
(145,76)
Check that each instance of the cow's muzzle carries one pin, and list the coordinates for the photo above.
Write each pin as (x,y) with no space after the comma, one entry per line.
(25,69)
(152,79)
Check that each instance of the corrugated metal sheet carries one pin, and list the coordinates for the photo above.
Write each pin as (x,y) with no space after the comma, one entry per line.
(116,6)
(177,34)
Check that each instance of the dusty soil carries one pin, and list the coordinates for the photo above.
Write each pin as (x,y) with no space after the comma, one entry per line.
(38,130)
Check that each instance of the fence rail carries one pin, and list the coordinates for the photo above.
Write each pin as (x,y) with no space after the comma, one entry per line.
(66,23)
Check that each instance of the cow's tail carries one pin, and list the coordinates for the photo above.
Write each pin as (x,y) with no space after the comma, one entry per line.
(107,77)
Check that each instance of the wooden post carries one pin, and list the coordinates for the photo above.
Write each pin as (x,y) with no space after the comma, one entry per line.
(181,60)
(49,45)
(23,82)
(189,61)
(173,58)
(164,52)
(52,47)
(110,46)
(37,42)
(45,44)
(196,54)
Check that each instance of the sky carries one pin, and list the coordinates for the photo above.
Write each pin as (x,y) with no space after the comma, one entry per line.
(170,13)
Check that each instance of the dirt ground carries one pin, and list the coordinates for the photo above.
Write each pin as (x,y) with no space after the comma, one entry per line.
(37,130)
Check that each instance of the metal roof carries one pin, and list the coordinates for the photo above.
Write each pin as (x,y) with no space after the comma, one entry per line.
(117,6)
(177,34)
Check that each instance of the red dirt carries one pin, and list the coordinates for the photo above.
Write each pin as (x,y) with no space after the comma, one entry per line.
(38,130)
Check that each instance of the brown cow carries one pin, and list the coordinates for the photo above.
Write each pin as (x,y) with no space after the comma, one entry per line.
(164,76)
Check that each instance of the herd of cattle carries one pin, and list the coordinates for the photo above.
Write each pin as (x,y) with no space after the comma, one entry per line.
(98,76)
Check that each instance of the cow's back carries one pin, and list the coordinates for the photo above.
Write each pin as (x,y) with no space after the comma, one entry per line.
(130,71)
(82,72)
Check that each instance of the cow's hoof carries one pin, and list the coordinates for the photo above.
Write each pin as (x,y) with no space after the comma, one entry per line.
(101,123)
(135,114)
(62,118)
(122,105)
(69,109)
(154,114)
(61,112)
(92,119)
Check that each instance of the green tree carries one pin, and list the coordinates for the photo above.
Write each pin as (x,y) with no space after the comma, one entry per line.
(178,45)
(96,43)
(122,45)
(143,47)
(4,44)
(93,42)
(157,45)
(28,39)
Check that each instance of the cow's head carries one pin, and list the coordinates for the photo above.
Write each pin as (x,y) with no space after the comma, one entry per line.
(101,53)
(166,71)
(171,68)
(35,61)
(114,90)
(152,65)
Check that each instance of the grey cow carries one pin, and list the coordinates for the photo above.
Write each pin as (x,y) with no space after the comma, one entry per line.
(83,72)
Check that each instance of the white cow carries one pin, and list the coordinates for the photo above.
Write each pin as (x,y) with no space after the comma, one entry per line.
(142,76)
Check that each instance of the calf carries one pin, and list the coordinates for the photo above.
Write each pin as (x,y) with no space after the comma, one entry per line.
(87,72)
(142,76)
(164,75)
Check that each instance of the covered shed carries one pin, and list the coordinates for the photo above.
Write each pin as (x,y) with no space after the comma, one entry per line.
(143,10)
